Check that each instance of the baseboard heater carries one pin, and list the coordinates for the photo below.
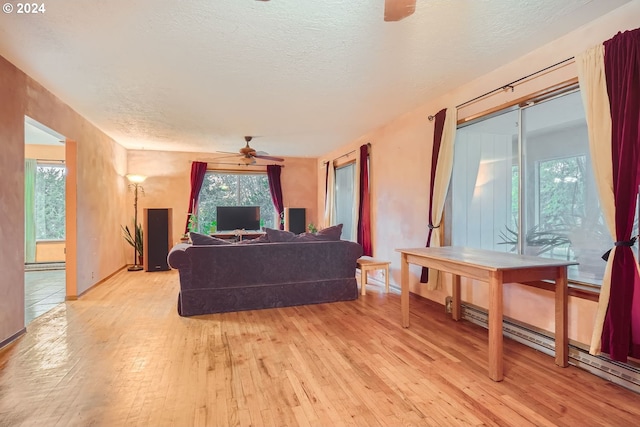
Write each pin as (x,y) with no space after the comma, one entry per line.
(623,374)
(44,266)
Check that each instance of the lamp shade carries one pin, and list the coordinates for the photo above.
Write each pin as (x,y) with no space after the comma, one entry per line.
(136,179)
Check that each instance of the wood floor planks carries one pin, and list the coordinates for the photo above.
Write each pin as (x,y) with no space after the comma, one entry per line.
(121,356)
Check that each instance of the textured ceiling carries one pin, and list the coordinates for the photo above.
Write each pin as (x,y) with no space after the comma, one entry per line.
(304,76)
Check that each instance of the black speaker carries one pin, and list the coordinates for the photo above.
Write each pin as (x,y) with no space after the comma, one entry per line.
(157,239)
(295,220)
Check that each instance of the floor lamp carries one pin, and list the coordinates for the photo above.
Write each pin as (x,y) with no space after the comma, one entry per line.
(134,182)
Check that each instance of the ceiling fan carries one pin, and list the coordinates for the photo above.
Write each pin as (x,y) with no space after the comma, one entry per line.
(395,10)
(248,155)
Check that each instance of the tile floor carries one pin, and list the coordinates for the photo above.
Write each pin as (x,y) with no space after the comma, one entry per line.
(43,290)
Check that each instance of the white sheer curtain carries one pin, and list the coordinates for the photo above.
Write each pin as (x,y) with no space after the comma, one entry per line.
(30,167)
(329,202)
(356,200)
(593,86)
(441,185)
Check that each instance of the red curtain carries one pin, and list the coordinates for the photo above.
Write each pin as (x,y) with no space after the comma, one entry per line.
(621,330)
(198,170)
(437,140)
(273,173)
(364,216)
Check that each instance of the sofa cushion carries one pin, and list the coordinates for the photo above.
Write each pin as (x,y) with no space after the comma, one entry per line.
(204,240)
(275,236)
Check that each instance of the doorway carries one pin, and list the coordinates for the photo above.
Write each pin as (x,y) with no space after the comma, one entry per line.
(45,217)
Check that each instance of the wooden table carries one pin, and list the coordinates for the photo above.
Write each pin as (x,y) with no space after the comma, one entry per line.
(238,235)
(495,268)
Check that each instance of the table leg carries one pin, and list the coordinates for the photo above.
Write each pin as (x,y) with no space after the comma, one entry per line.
(562,339)
(386,279)
(495,326)
(363,281)
(404,287)
(456,309)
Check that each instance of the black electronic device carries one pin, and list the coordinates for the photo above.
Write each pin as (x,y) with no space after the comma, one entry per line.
(237,218)
(157,239)
(295,220)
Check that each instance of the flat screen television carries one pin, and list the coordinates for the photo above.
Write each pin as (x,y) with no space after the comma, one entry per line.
(237,218)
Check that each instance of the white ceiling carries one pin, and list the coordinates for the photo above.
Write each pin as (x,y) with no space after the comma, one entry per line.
(304,76)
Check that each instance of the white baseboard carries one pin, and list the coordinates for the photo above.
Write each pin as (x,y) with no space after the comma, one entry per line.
(624,374)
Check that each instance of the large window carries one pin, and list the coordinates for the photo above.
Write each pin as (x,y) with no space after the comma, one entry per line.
(50,202)
(345,199)
(234,189)
(522,182)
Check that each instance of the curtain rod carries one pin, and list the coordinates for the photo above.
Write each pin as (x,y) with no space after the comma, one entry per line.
(50,161)
(344,155)
(232,164)
(509,85)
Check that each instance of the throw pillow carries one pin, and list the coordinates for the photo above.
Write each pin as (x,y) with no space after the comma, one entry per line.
(204,240)
(330,233)
(279,235)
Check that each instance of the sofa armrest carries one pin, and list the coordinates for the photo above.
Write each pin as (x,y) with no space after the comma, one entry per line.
(178,257)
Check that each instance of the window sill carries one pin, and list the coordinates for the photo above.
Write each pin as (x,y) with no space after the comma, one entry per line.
(576,290)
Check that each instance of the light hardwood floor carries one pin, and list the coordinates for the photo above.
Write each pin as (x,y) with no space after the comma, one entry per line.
(43,290)
(120,355)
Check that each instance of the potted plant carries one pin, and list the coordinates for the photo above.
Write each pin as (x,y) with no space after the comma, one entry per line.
(133,241)
(192,225)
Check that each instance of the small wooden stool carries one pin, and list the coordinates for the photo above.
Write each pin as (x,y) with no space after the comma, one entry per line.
(366,264)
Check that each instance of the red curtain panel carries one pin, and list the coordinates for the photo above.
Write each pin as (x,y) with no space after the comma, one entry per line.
(273,173)
(621,331)
(364,214)
(198,170)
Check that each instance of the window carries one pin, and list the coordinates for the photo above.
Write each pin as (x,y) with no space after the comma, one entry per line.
(345,199)
(50,202)
(522,182)
(234,189)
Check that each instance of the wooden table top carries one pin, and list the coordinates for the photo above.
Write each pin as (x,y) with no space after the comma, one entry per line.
(484,258)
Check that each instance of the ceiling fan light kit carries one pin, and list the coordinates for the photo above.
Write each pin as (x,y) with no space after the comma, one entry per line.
(248,160)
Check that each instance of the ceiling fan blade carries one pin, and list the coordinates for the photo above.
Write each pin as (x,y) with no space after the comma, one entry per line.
(275,159)
(395,10)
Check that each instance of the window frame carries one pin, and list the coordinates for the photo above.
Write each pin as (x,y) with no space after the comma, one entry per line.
(578,289)
(252,172)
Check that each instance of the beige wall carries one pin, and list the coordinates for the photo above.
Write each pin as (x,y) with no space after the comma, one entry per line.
(12,93)
(44,152)
(101,165)
(401,155)
(50,251)
(168,183)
